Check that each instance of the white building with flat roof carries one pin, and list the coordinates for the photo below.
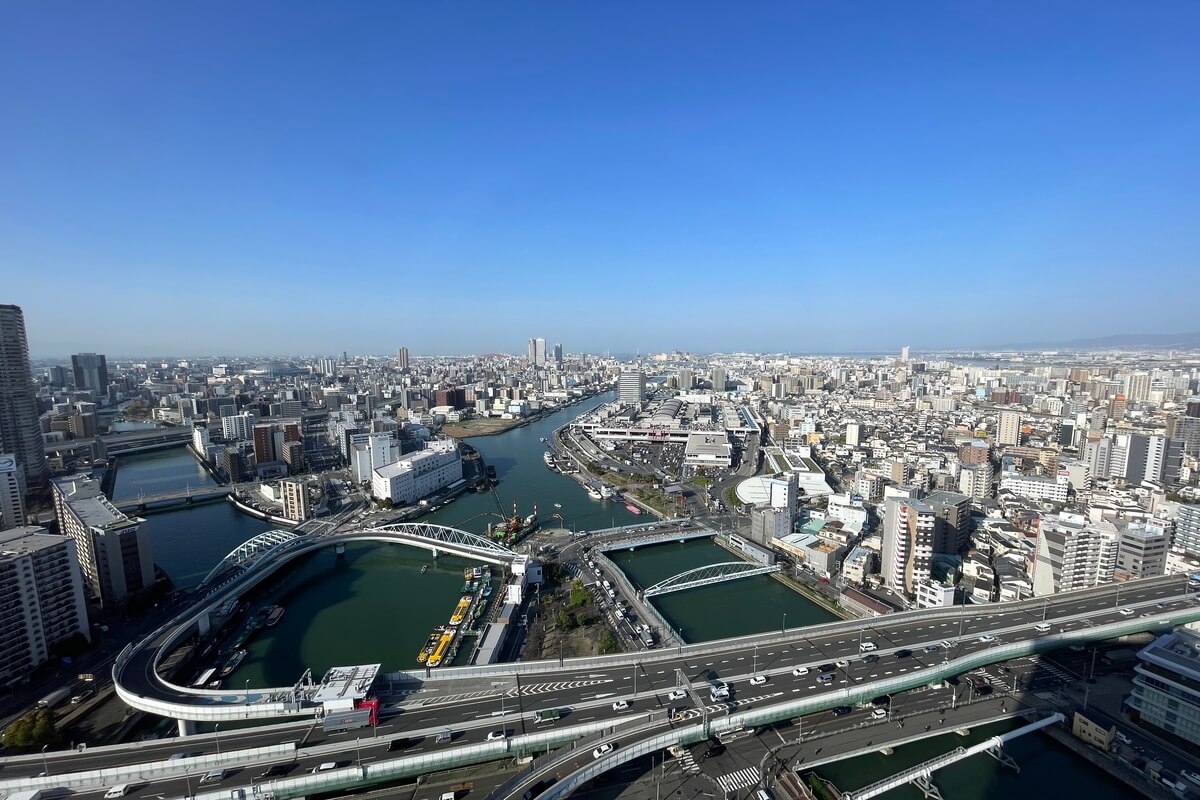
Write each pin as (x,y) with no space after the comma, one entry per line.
(418,474)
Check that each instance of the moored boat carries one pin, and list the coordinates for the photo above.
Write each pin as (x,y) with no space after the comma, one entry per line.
(632,509)
(275,615)
(232,662)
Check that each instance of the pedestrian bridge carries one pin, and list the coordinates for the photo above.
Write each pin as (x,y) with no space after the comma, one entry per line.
(708,575)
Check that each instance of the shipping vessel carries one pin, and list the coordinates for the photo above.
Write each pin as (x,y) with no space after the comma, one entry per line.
(275,615)
(460,611)
(439,652)
(232,662)
(632,509)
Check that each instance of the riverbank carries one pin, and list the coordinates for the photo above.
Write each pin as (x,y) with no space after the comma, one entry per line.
(492,426)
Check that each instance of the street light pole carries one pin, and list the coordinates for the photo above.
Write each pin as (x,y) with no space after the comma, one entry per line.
(45,763)
(783,627)
(187,776)
(217,734)
(358,749)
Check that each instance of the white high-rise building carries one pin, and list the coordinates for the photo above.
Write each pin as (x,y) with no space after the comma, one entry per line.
(20,433)
(1073,553)
(853,432)
(975,480)
(631,388)
(44,604)
(1142,549)
(296,506)
(238,427)
(1187,530)
(904,353)
(537,352)
(201,439)
(1008,428)
(12,495)
(908,533)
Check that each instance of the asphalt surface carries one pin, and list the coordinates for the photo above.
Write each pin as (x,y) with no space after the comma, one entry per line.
(473,707)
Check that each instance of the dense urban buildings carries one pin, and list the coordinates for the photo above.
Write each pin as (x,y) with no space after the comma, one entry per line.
(12,497)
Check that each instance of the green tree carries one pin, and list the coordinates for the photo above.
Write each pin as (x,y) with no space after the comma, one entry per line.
(563,619)
(608,644)
(579,594)
(34,729)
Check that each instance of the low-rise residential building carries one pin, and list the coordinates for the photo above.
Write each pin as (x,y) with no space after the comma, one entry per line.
(1036,487)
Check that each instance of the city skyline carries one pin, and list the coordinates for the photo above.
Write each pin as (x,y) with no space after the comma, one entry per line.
(831,179)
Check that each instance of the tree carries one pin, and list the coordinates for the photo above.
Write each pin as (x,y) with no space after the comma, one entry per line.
(34,729)
(563,619)
(607,643)
(579,594)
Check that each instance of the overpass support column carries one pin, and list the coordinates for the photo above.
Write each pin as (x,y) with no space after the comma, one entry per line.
(434,550)
(204,624)
(187,727)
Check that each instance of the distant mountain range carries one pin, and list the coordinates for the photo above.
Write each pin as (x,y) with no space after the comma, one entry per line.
(1150,341)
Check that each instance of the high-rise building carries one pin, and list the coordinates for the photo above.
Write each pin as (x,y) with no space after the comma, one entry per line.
(295,500)
(908,533)
(114,550)
(685,378)
(853,432)
(1073,553)
(558,358)
(12,494)
(539,352)
(1192,409)
(1166,685)
(41,591)
(719,379)
(904,353)
(91,372)
(1142,550)
(20,433)
(292,454)
(1008,428)
(975,480)
(238,427)
(1187,530)
(631,387)
(1137,387)
(264,443)
(402,358)
(953,512)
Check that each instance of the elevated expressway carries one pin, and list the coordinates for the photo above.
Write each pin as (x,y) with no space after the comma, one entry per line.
(471,701)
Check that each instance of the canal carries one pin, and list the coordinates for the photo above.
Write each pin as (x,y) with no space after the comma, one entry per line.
(734,608)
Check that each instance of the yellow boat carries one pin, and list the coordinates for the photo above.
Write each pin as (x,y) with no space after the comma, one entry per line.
(461,610)
(436,657)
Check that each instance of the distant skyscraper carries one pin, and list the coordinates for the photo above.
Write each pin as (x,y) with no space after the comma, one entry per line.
(20,433)
(719,379)
(402,358)
(685,379)
(558,354)
(539,352)
(1009,428)
(631,388)
(904,353)
(12,498)
(91,372)
(532,351)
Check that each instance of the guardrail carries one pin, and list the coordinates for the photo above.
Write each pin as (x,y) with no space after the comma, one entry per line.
(133,773)
(623,579)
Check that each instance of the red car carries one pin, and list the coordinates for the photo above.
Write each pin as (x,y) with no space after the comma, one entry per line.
(823,580)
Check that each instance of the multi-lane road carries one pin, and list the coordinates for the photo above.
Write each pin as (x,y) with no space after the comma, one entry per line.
(815,663)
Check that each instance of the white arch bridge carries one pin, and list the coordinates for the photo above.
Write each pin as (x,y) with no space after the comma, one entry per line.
(708,575)
(435,538)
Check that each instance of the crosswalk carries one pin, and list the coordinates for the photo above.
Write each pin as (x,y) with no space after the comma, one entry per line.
(741,779)
(688,763)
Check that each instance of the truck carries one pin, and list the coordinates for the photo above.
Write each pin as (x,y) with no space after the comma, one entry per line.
(28,794)
(54,698)
(547,715)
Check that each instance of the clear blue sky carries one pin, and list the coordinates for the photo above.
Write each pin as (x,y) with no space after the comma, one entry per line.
(191,178)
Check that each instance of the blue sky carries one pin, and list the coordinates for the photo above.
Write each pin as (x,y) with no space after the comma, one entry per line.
(192,178)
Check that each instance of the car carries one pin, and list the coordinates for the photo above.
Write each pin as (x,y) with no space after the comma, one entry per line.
(933,648)
(946,643)
(841,711)
(400,744)
(120,790)
(1126,612)
(604,749)
(758,680)
(870,658)
(495,736)
(842,663)
(824,679)
(826,668)
(986,638)
(798,671)
(275,770)
(903,653)
(882,700)
(620,705)
(177,756)
(1164,605)
(677,694)
(324,767)
(212,776)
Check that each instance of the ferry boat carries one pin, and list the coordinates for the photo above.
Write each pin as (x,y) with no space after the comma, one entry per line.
(592,493)
(558,505)
(275,615)
(632,509)
(460,611)
(430,645)
(468,573)
(232,662)
(439,652)
(606,492)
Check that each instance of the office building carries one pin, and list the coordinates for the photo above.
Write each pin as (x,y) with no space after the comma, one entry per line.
(1008,428)
(908,534)
(719,379)
(292,454)
(418,474)
(537,352)
(12,493)
(91,372)
(402,358)
(20,432)
(1073,553)
(558,355)
(238,427)
(631,388)
(953,512)
(904,353)
(1145,458)
(41,592)
(295,500)
(1187,530)
(1166,685)
(114,550)
(1142,550)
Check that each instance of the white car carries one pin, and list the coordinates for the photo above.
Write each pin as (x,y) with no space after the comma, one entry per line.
(497,735)
(328,765)
(987,637)
(758,680)
(842,664)
(677,694)
(620,705)
(879,713)
(603,750)
(798,671)
(1127,612)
